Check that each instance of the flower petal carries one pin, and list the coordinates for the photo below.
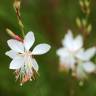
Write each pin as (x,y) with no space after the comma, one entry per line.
(16,45)
(35,65)
(29,40)
(72,44)
(17,63)
(67,41)
(63,52)
(86,55)
(89,67)
(41,49)
(12,54)
(69,62)
(78,43)
(66,58)
(80,73)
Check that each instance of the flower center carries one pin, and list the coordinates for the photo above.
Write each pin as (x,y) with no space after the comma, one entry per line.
(26,72)
(27,53)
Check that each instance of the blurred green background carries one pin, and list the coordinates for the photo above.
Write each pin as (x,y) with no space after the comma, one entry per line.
(49,20)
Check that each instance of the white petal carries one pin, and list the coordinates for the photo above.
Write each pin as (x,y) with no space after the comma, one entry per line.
(35,65)
(78,43)
(12,54)
(62,52)
(16,45)
(17,63)
(73,44)
(69,62)
(66,58)
(29,40)
(67,41)
(41,49)
(80,73)
(89,67)
(86,55)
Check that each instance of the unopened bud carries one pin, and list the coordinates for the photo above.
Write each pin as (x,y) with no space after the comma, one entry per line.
(16,4)
(78,22)
(87,3)
(13,35)
(88,11)
(81,3)
(84,22)
(89,28)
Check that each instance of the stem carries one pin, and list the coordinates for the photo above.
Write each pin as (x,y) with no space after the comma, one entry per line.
(21,27)
(85,8)
(16,5)
(72,86)
(23,33)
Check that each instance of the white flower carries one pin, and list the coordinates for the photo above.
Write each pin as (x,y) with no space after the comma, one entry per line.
(86,55)
(85,66)
(68,52)
(23,59)
(73,56)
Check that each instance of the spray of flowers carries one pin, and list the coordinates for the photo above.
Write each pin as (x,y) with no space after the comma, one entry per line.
(72,55)
(23,61)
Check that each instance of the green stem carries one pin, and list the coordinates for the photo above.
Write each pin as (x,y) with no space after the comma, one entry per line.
(17,10)
(21,27)
(23,33)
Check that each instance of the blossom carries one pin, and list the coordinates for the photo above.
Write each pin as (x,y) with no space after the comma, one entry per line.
(85,65)
(23,61)
(74,57)
(68,52)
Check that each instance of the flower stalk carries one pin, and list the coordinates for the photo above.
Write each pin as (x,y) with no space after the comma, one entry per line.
(16,6)
(83,24)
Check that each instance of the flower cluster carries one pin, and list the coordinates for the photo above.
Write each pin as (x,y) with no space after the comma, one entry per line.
(75,58)
(23,61)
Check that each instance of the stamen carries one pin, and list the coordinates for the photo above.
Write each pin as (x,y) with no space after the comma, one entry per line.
(25,74)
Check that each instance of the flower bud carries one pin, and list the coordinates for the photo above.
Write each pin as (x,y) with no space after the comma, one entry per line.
(81,3)
(84,22)
(13,35)
(87,3)
(78,22)
(16,4)
(89,28)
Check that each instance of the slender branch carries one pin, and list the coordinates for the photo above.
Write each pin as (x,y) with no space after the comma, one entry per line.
(16,6)
(83,25)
